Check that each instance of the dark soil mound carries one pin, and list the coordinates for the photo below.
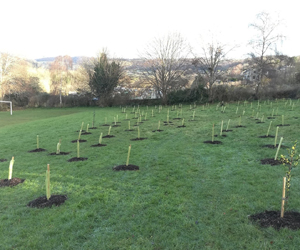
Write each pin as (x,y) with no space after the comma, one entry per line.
(37,150)
(280,125)
(270,117)
(229,130)
(290,220)
(213,142)
(2,160)
(138,139)
(105,125)
(264,136)
(99,145)
(177,118)
(270,161)
(116,126)
(181,126)
(124,167)
(77,159)
(75,141)
(60,153)
(86,133)
(221,135)
(158,130)
(129,130)
(108,136)
(260,122)
(10,183)
(42,201)
(240,126)
(93,128)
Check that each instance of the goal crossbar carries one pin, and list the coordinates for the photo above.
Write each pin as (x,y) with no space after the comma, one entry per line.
(10,104)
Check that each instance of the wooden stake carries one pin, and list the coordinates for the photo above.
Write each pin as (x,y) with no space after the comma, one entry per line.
(283,198)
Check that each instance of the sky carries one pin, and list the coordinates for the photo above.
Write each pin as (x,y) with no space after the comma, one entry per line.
(43,28)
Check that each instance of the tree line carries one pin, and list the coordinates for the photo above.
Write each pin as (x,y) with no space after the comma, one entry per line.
(169,68)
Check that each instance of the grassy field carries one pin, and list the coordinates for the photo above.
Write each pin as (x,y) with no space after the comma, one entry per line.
(186,195)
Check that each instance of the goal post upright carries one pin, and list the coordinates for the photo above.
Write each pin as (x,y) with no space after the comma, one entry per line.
(10,104)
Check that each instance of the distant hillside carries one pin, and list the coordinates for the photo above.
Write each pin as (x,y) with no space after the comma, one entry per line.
(51,59)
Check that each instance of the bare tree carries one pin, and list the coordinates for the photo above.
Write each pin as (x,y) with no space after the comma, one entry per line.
(7,62)
(166,64)
(263,47)
(209,64)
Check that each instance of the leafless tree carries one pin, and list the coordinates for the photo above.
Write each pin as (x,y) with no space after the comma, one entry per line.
(7,62)
(209,63)
(262,57)
(165,64)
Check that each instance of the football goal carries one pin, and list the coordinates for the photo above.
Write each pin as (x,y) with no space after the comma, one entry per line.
(10,104)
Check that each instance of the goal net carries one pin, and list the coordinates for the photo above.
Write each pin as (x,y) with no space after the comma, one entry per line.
(10,104)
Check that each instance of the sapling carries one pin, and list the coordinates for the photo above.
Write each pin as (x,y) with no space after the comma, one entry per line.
(79,135)
(277,151)
(81,126)
(282,120)
(213,133)
(158,125)
(115,121)
(48,191)
(128,125)
(243,112)
(117,118)
(251,105)
(221,128)
(100,138)
(37,142)
(240,121)
(58,147)
(10,169)
(87,128)
(277,111)
(138,128)
(109,130)
(227,125)
(275,141)
(177,113)
(182,124)
(145,116)
(262,119)
(272,113)
(128,155)
(269,129)
(78,150)
(126,117)
(194,115)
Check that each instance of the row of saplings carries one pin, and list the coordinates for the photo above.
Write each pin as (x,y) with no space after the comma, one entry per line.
(50,200)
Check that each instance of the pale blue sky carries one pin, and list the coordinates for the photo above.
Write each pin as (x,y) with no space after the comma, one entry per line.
(41,28)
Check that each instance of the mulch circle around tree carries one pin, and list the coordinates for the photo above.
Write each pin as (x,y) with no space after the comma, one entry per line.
(168,122)
(11,183)
(229,130)
(99,145)
(264,136)
(158,130)
(60,153)
(181,126)
(273,146)
(124,167)
(105,125)
(213,142)
(129,130)
(270,161)
(221,135)
(42,202)
(108,136)
(270,117)
(77,159)
(37,150)
(82,131)
(115,122)
(260,122)
(93,128)
(177,118)
(86,133)
(3,160)
(75,141)
(295,117)
(240,126)
(283,125)
(114,126)
(138,139)
(291,219)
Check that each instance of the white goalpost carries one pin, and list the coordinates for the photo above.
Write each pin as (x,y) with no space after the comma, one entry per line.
(10,104)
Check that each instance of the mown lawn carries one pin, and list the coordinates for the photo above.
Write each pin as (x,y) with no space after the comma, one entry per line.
(186,195)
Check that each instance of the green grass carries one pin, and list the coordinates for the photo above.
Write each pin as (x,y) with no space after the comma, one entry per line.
(186,195)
